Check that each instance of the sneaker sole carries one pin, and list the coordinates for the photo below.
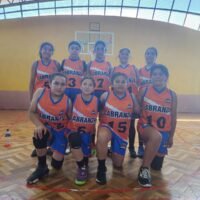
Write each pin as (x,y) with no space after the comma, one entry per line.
(80,183)
(146,185)
(33,182)
(99,182)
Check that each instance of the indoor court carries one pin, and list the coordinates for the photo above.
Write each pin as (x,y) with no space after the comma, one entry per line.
(172,26)
(179,179)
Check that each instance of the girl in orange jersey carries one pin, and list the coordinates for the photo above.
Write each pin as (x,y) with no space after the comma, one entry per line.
(157,122)
(50,111)
(42,68)
(41,71)
(150,57)
(82,126)
(117,106)
(144,80)
(74,69)
(133,77)
(100,69)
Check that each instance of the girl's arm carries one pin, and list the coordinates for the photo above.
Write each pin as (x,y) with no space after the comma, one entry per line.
(32,79)
(34,117)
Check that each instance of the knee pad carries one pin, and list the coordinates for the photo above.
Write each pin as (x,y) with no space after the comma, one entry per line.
(75,140)
(157,163)
(41,143)
(56,164)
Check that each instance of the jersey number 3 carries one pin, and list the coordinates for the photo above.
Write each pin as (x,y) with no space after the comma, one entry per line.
(72,82)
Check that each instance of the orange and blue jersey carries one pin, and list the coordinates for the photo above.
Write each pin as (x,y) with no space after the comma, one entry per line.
(84,114)
(101,72)
(144,77)
(131,72)
(43,72)
(74,71)
(157,109)
(53,114)
(117,113)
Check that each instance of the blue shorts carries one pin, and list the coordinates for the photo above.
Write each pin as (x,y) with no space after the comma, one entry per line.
(86,143)
(118,145)
(58,141)
(163,145)
(72,93)
(165,137)
(98,93)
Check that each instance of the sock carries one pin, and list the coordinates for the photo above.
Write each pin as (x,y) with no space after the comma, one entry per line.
(42,161)
(140,140)
(101,165)
(86,159)
(80,163)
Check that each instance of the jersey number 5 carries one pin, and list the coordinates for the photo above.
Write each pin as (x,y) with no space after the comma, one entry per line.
(121,126)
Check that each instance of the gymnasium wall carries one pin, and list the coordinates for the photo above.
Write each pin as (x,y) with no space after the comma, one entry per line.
(178,47)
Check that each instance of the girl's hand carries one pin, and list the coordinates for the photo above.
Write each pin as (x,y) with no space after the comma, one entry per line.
(39,131)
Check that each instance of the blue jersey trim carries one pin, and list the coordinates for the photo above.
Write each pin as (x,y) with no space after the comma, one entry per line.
(55,102)
(159,91)
(47,64)
(85,101)
(120,98)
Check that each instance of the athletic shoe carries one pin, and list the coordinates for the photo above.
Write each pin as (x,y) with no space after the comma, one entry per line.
(82,176)
(157,163)
(144,177)
(132,153)
(49,152)
(34,153)
(67,151)
(109,153)
(93,152)
(140,153)
(101,177)
(38,174)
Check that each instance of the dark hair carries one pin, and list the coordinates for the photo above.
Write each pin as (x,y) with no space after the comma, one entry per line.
(74,42)
(161,67)
(152,48)
(99,42)
(45,44)
(127,49)
(89,78)
(115,75)
(52,76)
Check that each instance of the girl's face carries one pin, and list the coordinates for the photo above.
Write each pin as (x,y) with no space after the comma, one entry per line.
(159,79)
(150,56)
(74,51)
(100,51)
(124,56)
(58,85)
(46,52)
(119,84)
(87,87)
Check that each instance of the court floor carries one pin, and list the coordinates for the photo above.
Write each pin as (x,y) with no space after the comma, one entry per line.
(179,178)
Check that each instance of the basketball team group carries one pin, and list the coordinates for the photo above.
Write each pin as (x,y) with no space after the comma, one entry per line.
(87,106)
